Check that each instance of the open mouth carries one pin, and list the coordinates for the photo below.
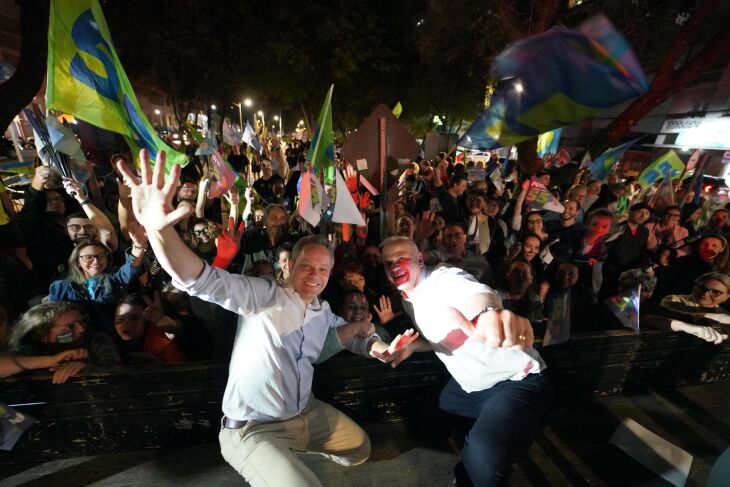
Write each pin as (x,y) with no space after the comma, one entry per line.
(399,275)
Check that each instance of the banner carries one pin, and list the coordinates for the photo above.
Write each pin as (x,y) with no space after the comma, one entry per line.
(669,163)
(601,166)
(554,79)
(222,176)
(539,198)
(309,207)
(345,208)
(625,306)
(322,149)
(87,80)
(249,137)
(548,142)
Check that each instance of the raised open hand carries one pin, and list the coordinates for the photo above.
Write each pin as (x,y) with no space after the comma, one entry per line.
(229,243)
(496,328)
(425,224)
(152,195)
(385,311)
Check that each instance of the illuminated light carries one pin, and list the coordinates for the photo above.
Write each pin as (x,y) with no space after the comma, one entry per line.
(247,102)
(518,87)
(212,107)
(685,149)
(301,122)
(707,188)
(175,136)
(260,113)
(157,112)
(276,118)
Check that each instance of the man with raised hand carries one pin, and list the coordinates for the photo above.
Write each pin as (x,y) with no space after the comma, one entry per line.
(495,373)
(269,410)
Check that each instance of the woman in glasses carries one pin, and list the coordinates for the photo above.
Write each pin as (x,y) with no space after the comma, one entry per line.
(94,284)
(695,313)
(55,336)
(204,240)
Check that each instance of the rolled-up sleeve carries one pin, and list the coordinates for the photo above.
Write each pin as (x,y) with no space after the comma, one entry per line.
(234,292)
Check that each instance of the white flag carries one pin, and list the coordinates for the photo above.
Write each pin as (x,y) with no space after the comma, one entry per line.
(312,213)
(249,137)
(586,160)
(345,208)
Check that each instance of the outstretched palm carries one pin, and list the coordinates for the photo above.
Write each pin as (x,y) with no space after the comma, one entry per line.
(152,195)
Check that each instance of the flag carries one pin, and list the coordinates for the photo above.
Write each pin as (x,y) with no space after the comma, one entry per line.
(669,163)
(601,166)
(63,139)
(222,176)
(397,110)
(496,178)
(625,306)
(554,79)
(207,146)
(664,195)
(547,143)
(345,208)
(87,80)
(538,197)
(230,135)
(586,160)
(249,137)
(43,142)
(310,207)
(693,160)
(322,150)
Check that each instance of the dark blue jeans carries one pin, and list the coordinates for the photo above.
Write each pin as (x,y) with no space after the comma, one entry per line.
(509,416)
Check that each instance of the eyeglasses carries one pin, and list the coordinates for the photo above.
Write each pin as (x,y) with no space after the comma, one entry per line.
(715,293)
(197,233)
(90,257)
(75,228)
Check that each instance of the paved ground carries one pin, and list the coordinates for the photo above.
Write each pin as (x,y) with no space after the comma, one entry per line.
(573,451)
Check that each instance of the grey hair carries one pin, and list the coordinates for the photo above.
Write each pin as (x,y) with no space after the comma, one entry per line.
(396,240)
(312,240)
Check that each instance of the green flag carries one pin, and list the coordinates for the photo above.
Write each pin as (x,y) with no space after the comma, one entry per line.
(668,164)
(322,149)
(397,110)
(87,80)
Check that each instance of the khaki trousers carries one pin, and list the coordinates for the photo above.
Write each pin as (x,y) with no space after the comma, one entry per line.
(265,453)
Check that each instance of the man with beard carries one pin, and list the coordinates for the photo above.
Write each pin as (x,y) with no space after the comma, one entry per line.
(261,243)
(264,185)
(496,374)
(454,251)
(477,224)
(566,224)
(51,235)
(626,248)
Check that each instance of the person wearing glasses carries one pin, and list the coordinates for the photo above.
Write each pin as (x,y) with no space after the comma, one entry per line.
(696,313)
(55,336)
(94,284)
(668,231)
(204,239)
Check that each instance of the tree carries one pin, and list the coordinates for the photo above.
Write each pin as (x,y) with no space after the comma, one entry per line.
(27,79)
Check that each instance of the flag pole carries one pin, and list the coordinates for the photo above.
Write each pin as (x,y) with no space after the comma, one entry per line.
(383,177)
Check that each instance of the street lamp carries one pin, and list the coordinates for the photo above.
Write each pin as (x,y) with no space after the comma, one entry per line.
(212,107)
(247,102)
(277,118)
(159,115)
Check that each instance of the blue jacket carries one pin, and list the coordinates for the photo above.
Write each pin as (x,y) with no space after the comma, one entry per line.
(98,295)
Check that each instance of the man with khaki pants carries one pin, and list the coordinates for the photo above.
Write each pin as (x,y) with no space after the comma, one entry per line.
(269,410)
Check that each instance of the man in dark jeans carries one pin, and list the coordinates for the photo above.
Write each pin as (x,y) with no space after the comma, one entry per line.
(496,375)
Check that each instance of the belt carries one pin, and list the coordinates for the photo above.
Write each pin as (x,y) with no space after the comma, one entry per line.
(232,424)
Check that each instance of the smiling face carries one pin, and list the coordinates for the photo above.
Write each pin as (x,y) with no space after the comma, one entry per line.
(276,223)
(200,230)
(129,322)
(403,263)
(405,226)
(310,272)
(355,307)
(81,229)
(531,247)
(711,294)
(534,223)
(571,209)
(93,260)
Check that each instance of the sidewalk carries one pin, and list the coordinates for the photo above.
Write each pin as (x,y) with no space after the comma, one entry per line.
(573,451)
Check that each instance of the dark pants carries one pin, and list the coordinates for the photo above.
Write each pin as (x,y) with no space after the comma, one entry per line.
(509,416)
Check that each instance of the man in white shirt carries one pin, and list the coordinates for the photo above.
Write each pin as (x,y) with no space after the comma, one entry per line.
(270,412)
(496,374)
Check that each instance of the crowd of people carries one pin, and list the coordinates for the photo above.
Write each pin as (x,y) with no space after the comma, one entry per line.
(136,268)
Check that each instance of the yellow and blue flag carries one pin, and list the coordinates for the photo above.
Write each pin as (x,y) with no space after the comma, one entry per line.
(668,163)
(547,143)
(554,79)
(321,154)
(87,80)
(397,110)
(601,165)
